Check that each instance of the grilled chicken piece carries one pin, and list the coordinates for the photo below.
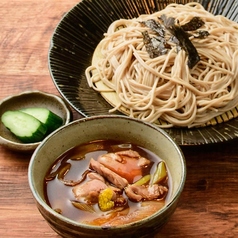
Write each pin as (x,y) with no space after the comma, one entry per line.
(128,164)
(93,175)
(111,176)
(139,193)
(89,191)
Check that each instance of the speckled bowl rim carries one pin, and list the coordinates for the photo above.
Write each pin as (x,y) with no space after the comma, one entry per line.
(171,201)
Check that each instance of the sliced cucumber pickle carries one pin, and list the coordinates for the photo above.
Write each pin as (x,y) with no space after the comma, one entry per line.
(25,127)
(47,117)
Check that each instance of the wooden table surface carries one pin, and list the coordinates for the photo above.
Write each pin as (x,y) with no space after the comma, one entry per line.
(209,203)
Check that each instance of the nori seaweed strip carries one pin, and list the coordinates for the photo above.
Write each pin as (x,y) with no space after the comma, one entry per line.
(182,36)
(155,46)
(194,24)
(186,44)
(148,45)
(201,34)
(155,26)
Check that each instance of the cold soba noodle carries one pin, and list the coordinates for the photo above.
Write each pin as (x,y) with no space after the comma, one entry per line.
(186,83)
(107,183)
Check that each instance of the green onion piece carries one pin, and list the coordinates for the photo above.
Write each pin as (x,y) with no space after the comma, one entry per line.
(145,179)
(160,173)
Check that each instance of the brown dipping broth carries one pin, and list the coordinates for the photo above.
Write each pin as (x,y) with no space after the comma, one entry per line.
(59,196)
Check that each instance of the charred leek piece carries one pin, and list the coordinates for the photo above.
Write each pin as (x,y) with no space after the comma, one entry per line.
(83,206)
(63,171)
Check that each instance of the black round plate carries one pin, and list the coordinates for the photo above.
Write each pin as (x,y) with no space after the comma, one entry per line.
(78,34)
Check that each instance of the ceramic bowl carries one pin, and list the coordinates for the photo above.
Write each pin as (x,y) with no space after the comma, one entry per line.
(30,99)
(107,127)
